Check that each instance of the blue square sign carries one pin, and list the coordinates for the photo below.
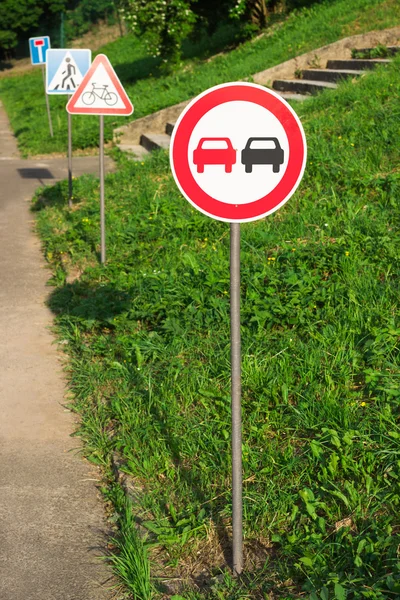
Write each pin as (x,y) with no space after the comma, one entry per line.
(38,47)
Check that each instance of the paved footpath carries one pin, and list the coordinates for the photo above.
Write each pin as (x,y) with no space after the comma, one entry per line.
(52,525)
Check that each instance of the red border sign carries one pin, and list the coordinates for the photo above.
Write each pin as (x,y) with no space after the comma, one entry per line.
(101,59)
(179,157)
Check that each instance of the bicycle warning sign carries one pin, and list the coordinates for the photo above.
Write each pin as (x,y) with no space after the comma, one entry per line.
(65,69)
(100,92)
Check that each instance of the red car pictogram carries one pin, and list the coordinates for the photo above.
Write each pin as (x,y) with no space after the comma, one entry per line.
(214,151)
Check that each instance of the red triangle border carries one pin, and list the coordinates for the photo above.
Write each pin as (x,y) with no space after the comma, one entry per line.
(101,59)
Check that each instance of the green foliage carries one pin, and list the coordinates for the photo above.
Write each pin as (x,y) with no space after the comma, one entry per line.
(211,14)
(295,4)
(379,51)
(164,24)
(81,17)
(148,341)
(132,561)
(20,16)
(151,91)
(21,19)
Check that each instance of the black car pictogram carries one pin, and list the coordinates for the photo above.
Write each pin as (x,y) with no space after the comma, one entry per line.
(262,151)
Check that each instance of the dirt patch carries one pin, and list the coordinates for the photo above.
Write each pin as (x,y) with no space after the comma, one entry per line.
(76,153)
(99,36)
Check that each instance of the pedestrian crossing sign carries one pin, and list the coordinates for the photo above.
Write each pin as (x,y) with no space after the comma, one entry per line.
(65,70)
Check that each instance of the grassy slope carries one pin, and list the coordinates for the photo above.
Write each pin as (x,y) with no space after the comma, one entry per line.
(149,91)
(148,341)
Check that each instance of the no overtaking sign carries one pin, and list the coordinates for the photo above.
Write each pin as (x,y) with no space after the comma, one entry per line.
(238,152)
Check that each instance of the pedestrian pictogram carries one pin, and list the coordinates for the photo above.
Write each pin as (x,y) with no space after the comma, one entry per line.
(65,70)
(101,92)
(38,47)
(238,152)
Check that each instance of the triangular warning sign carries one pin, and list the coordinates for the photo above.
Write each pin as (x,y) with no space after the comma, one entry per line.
(67,77)
(100,93)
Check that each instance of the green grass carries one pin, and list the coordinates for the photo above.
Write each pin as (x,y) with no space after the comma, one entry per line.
(150,91)
(131,563)
(148,341)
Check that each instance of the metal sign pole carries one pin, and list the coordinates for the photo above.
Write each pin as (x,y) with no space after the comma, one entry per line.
(102,208)
(69,160)
(237,493)
(47,102)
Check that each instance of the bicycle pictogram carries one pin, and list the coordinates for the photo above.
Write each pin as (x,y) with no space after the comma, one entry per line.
(102,93)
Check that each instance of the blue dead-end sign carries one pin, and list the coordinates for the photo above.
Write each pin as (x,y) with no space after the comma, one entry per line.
(65,69)
(38,47)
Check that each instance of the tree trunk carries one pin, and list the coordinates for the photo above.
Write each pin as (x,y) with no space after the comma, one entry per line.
(258,12)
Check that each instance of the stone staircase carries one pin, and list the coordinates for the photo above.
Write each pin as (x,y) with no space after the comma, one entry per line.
(311,82)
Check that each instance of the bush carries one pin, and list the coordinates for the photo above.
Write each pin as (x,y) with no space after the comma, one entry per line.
(85,14)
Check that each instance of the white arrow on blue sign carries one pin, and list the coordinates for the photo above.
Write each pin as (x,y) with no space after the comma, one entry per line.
(38,47)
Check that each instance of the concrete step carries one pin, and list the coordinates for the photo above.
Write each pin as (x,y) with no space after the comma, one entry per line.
(392,50)
(331,75)
(289,96)
(169,128)
(155,141)
(137,152)
(357,64)
(302,86)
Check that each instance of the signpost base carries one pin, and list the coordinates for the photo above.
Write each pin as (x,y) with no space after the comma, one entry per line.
(102,206)
(47,102)
(237,494)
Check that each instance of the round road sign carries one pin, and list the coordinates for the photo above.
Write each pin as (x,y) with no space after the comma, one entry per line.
(238,152)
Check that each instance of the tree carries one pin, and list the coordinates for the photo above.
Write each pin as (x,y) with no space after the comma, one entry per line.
(163,23)
(17,17)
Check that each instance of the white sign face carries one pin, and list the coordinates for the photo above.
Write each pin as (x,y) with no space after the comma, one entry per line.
(101,92)
(238,152)
(236,123)
(65,70)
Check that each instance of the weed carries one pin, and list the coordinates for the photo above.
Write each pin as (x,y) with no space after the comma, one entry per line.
(132,562)
(379,51)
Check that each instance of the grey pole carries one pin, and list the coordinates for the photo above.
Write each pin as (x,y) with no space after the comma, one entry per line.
(47,102)
(237,494)
(102,209)
(69,160)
